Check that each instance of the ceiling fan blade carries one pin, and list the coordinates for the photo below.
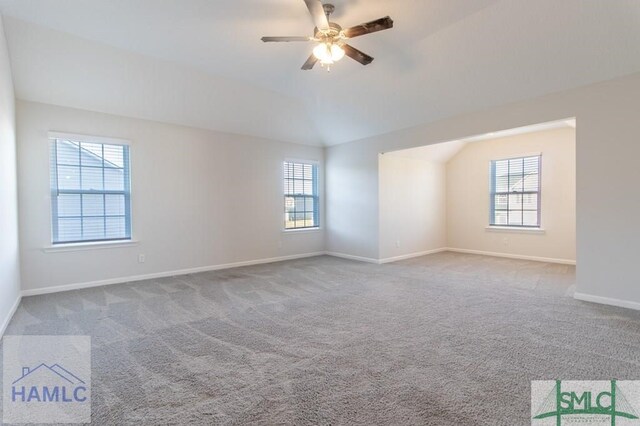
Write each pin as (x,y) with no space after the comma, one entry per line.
(357,55)
(370,27)
(301,38)
(310,62)
(317,13)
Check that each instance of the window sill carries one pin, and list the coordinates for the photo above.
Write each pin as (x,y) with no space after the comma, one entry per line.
(89,246)
(515,229)
(301,230)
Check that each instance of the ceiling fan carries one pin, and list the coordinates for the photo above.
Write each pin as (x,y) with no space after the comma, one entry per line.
(332,39)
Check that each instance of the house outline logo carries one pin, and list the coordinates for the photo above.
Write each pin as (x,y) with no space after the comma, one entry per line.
(44,389)
(46,379)
(56,369)
(586,403)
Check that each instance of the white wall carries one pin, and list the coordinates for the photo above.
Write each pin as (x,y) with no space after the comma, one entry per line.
(468,199)
(352,203)
(606,187)
(199,198)
(412,206)
(9,260)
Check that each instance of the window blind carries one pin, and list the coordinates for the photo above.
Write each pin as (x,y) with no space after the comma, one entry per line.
(515,192)
(301,203)
(90,191)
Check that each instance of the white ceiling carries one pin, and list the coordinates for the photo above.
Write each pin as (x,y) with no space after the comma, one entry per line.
(436,153)
(445,151)
(201,62)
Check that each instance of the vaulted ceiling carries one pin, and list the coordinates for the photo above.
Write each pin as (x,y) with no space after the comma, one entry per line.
(201,63)
(445,151)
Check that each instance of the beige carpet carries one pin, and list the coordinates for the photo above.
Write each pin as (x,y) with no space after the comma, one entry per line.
(446,339)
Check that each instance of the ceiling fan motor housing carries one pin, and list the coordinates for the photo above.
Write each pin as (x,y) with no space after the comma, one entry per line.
(329,34)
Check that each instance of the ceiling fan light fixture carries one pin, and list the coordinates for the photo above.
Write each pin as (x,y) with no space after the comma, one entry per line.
(337,52)
(328,53)
(323,52)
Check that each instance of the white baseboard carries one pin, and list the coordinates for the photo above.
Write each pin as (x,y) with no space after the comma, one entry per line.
(12,311)
(120,280)
(411,255)
(607,301)
(352,257)
(513,256)
(46,290)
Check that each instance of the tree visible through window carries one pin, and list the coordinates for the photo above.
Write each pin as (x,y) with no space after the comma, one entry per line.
(90,191)
(515,192)
(301,205)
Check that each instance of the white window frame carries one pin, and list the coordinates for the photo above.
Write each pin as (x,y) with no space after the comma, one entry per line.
(317,216)
(493,193)
(98,243)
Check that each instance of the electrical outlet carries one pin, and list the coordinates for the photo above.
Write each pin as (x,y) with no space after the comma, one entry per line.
(141,258)
(398,243)
(505,241)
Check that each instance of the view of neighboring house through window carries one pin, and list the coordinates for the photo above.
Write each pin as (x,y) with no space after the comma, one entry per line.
(90,191)
(515,192)
(301,205)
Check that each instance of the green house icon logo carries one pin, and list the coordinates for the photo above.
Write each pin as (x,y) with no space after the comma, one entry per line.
(585,403)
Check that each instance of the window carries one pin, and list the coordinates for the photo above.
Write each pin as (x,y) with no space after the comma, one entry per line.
(300,195)
(90,190)
(515,192)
